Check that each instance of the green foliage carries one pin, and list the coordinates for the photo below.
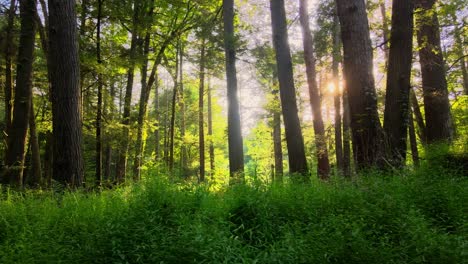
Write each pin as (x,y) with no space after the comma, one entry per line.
(418,217)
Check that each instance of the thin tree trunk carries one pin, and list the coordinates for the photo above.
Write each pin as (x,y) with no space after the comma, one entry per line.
(235,141)
(142,110)
(183,149)
(358,67)
(385,31)
(36,171)
(65,76)
(99,103)
(337,95)
(399,82)
(201,123)
(277,146)
(460,53)
(210,131)
(346,135)
(436,102)
(173,112)
(323,167)
(122,160)
(19,126)
(8,65)
(48,159)
(413,142)
(419,117)
(157,148)
(294,139)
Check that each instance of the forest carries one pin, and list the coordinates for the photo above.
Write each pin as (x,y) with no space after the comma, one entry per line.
(222,131)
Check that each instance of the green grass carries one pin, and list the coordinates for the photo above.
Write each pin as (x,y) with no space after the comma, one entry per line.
(408,217)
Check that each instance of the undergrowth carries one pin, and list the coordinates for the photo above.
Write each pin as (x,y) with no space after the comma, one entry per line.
(416,216)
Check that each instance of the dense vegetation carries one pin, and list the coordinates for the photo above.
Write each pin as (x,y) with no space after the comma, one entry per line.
(409,217)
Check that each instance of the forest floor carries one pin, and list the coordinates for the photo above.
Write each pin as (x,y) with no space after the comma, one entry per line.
(413,216)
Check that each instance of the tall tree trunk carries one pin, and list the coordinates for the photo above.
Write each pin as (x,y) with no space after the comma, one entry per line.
(142,110)
(337,95)
(413,142)
(346,135)
(436,101)
(399,82)
(48,159)
(210,131)
(183,148)
(8,64)
(419,117)
(235,141)
(36,171)
(166,132)
(294,139)
(173,112)
(323,167)
(65,75)
(201,123)
(157,149)
(19,126)
(122,161)
(99,103)
(277,146)
(358,68)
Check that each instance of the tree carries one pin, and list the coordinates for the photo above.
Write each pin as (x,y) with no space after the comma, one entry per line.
(358,68)
(336,53)
(396,116)
(18,130)
(294,139)
(201,123)
(65,75)
(323,167)
(235,142)
(8,64)
(436,101)
(99,102)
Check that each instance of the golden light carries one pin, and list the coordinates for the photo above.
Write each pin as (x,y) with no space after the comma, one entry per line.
(331,87)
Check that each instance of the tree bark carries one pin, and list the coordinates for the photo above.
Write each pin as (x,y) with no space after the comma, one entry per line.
(8,65)
(277,145)
(99,102)
(399,82)
(419,117)
(385,31)
(122,160)
(36,170)
(19,126)
(337,95)
(201,123)
(235,141)
(210,132)
(439,125)
(294,139)
(173,112)
(358,68)
(323,166)
(346,135)
(413,142)
(183,149)
(65,77)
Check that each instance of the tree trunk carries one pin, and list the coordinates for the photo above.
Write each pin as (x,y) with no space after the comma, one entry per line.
(48,159)
(399,82)
(436,101)
(99,102)
(346,135)
(337,95)
(201,123)
(277,146)
(358,68)
(385,31)
(173,112)
(413,142)
(183,148)
(8,65)
(419,117)
(294,139)
(122,161)
(323,166)
(36,171)
(19,126)
(142,111)
(235,141)
(210,132)
(157,149)
(65,75)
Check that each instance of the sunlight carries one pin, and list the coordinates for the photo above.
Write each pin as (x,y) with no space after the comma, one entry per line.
(331,87)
